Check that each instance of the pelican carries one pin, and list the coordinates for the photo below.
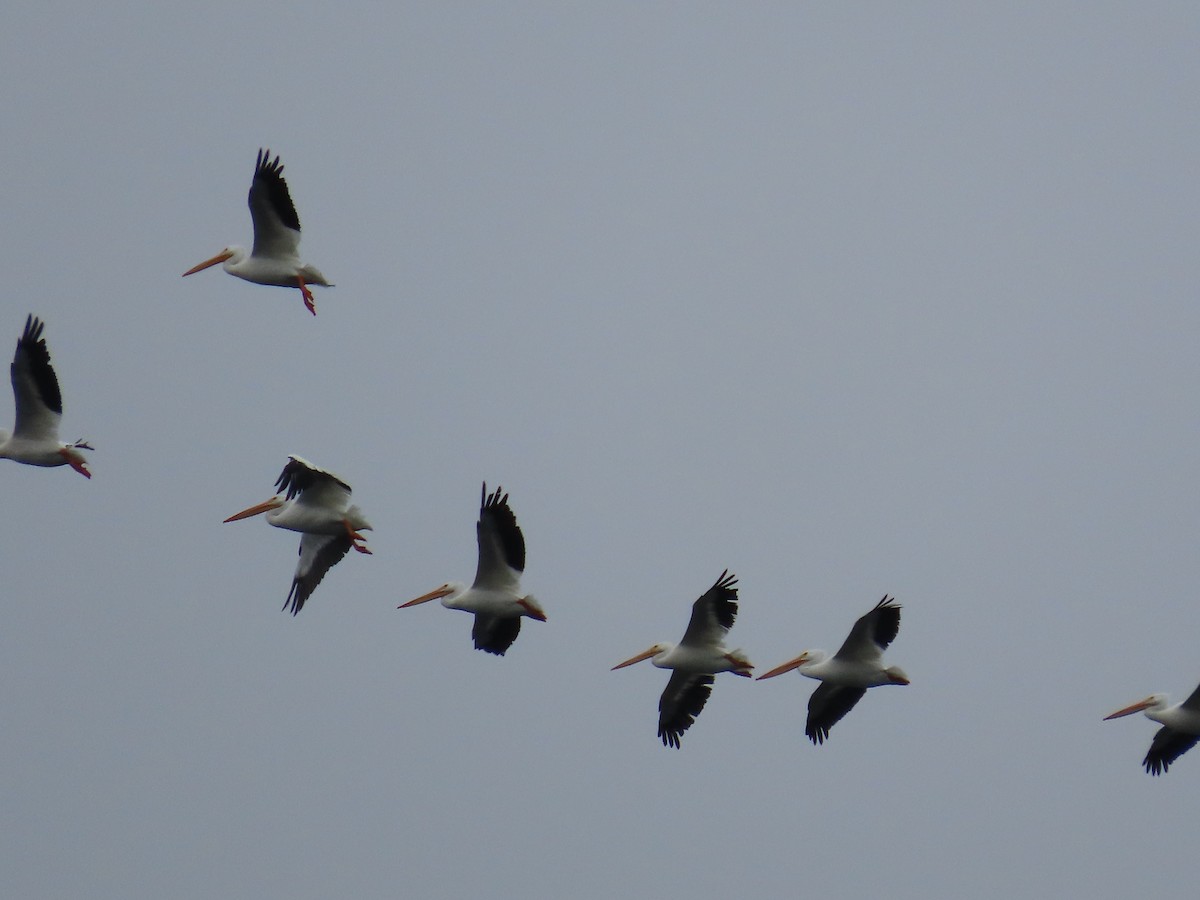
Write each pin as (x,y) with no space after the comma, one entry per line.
(34,439)
(317,504)
(275,258)
(846,675)
(699,656)
(1180,728)
(495,597)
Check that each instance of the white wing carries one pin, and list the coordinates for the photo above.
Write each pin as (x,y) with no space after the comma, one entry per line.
(713,614)
(872,633)
(501,544)
(318,554)
(35,386)
(276,225)
(313,487)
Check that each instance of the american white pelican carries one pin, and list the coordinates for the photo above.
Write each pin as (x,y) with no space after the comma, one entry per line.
(275,258)
(696,659)
(495,597)
(846,675)
(34,439)
(1180,728)
(317,504)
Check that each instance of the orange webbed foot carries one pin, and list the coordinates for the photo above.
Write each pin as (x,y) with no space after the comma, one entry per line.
(310,302)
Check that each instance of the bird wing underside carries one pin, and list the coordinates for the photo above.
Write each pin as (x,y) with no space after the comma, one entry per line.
(873,632)
(827,706)
(1168,745)
(318,554)
(312,484)
(495,634)
(35,386)
(276,225)
(714,613)
(501,544)
(681,701)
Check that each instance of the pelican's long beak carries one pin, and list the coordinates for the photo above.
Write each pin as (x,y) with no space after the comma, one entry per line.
(255,510)
(786,667)
(443,591)
(645,654)
(219,258)
(1130,710)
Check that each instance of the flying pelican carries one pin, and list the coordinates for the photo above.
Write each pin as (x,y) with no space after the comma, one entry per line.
(495,597)
(34,439)
(1180,728)
(846,675)
(275,258)
(696,659)
(317,504)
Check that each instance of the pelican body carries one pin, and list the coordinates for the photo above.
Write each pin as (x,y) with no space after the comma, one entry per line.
(495,596)
(34,438)
(847,674)
(1180,728)
(275,258)
(317,504)
(699,656)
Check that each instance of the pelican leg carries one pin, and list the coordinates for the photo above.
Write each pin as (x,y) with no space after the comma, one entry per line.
(355,539)
(309,301)
(75,461)
(741,666)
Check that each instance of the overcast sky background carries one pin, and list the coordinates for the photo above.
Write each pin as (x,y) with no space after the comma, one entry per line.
(850,299)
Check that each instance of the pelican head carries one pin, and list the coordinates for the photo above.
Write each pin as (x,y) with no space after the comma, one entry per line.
(654,651)
(231,256)
(807,658)
(1153,703)
(443,593)
(258,508)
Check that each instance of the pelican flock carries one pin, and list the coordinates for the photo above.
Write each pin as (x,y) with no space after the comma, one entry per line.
(696,659)
(495,596)
(317,504)
(847,674)
(34,439)
(275,256)
(1180,728)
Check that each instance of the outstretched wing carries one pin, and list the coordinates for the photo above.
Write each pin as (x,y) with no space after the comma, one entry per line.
(683,699)
(313,485)
(826,707)
(873,632)
(276,225)
(35,386)
(1168,745)
(501,544)
(713,614)
(318,554)
(495,634)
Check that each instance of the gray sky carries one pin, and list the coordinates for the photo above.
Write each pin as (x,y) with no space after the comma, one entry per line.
(847,299)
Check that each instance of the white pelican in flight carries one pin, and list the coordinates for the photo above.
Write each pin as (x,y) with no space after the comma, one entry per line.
(846,675)
(495,597)
(317,504)
(34,439)
(696,659)
(275,258)
(1180,728)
